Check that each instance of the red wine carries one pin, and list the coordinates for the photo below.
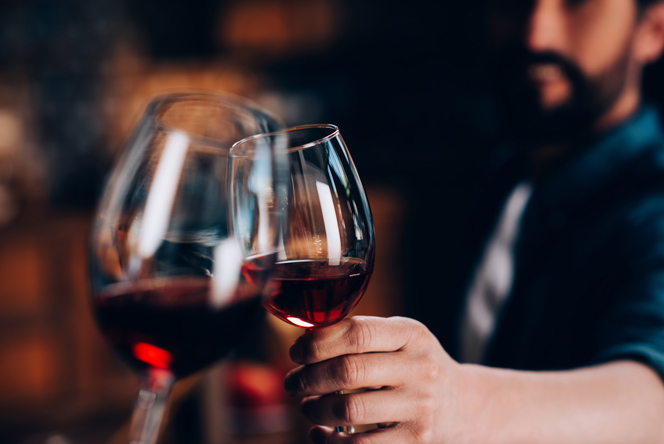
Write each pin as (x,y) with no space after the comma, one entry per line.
(174,323)
(312,293)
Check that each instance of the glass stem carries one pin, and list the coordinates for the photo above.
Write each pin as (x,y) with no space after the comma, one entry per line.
(150,406)
(349,430)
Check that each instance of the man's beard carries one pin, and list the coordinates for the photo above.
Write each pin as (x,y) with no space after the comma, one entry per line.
(528,122)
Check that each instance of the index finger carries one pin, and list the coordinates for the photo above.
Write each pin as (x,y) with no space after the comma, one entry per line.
(359,334)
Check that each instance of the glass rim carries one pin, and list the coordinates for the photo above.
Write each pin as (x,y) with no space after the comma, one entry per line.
(335,132)
(221,98)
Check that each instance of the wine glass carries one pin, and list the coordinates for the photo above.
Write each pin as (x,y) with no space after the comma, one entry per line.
(170,286)
(327,246)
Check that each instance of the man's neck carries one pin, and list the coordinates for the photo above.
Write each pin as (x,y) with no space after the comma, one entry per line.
(542,158)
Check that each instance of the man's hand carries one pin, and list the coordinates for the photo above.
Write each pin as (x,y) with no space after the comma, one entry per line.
(418,394)
(413,382)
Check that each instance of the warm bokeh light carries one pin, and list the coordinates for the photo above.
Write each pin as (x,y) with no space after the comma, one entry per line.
(278,28)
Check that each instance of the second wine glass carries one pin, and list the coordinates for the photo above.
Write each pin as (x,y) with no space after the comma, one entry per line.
(170,285)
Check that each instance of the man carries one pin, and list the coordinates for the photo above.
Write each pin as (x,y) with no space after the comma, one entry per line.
(571,330)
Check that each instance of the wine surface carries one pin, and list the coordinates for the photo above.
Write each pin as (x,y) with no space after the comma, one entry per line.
(174,323)
(312,293)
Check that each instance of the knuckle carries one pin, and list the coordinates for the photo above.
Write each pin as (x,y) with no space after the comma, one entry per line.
(424,424)
(362,334)
(351,370)
(351,409)
(429,369)
(313,351)
(427,405)
(421,331)
(416,330)
(425,435)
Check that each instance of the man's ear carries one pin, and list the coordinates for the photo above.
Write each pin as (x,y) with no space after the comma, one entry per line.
(649,37)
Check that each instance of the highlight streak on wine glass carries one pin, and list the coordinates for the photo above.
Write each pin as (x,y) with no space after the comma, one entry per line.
(331,223)
(258,183)
(162,194)
(299,322)
(227,259)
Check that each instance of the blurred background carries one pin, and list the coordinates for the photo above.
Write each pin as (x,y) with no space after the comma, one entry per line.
(404,81)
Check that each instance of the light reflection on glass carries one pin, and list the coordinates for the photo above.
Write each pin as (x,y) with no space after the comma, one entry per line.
(299,322)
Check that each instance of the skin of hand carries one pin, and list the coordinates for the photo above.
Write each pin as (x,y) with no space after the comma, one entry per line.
(418,394)
(397,355)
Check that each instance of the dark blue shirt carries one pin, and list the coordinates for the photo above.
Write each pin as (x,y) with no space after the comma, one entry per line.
(589,273)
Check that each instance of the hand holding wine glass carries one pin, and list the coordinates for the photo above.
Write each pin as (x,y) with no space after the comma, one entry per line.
(417,393)
(174,288)
(326,253)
